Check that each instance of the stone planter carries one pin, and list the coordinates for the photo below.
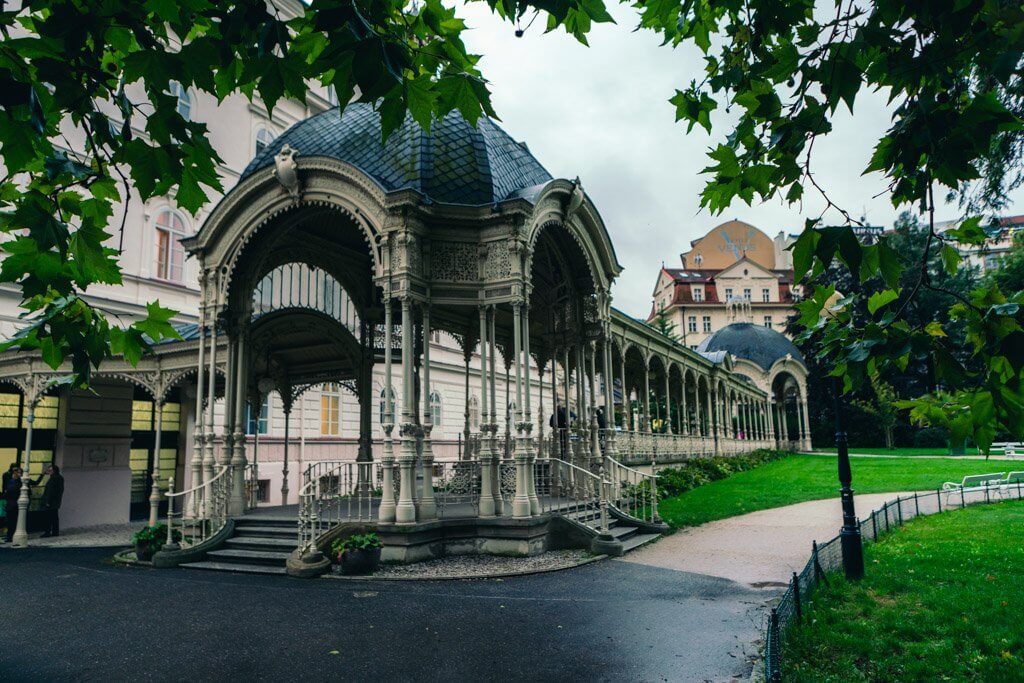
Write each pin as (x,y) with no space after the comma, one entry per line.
(360,562)
(144,551)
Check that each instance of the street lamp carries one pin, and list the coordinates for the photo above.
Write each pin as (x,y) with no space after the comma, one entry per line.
(849,535)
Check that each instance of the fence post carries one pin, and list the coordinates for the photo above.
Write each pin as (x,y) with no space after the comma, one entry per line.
(814,557)
(774,663)
(886,509)
(986,493)
(917,508)
(874,525)
(938,498)
(899,508)
(796,597)
(963,502)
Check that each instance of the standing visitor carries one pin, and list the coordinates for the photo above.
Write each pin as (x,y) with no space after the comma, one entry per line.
(11,492)
(53,494)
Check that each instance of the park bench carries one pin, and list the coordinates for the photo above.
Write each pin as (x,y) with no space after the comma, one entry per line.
(1010,449)
(973,481)
(1012,482)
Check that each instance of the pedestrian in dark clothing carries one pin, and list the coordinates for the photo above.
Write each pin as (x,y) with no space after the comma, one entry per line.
(602,423)
(3,487)
(11,493)
(53,494)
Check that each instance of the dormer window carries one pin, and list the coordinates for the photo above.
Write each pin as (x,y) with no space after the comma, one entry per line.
(698,294)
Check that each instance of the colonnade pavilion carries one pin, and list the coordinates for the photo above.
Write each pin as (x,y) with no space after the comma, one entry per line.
(335,254)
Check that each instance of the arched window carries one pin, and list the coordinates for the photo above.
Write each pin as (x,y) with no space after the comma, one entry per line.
(330,410)
(178,92)
(385,405)
(435,408)
(474,413)
(263,139)
(170,255)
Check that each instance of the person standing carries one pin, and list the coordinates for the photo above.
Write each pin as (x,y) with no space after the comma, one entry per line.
(11,492)
(53,494)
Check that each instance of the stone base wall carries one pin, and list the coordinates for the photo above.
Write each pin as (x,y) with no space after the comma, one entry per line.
(406,543)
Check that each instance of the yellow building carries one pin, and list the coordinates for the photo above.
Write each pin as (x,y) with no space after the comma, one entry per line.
(734,273)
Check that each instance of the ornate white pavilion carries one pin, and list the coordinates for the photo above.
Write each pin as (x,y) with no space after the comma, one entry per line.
(332,260)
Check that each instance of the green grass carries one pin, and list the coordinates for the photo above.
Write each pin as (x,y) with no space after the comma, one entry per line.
(941,601)
(932,450)
(799,478)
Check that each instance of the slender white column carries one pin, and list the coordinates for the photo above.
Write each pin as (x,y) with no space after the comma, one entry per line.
(154,493)
(646,403)
(405,512)
(684,415)
(668,402)
(284,466)
(237,503)
(20,537)
(194,504)
(486,504)
(531,451)
(595,443)
(208,455)
(806,435)
(427,503)
(499,504)
(386,512)
(627,404)
(521,500)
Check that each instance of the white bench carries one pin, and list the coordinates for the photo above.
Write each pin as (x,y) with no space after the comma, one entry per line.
(973,481)
(1012,482)
(1010,449)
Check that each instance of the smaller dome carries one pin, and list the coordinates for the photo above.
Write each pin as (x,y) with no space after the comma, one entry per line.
(756,343)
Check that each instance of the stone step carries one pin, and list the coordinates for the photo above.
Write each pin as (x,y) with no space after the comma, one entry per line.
(275,531)
(269,557)
(261,543)
(637,541)
(266,520)
(235,567)
(622,532)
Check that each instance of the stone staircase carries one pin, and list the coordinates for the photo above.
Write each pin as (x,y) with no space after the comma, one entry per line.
(260,545)
(631,535)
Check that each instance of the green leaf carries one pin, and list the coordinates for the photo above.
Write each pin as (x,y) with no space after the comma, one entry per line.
(880,299)
(950,258)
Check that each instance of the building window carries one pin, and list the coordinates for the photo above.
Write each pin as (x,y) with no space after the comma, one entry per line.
(693,347)
(474,413)
(263,139)
(384,409)
(435,408)
(178,92)
(170,255)
(691,323)
(254,425)
(768,321)
(330,410)
(698,294)
(707,323)
(766,295)
(728,293)
(746,294)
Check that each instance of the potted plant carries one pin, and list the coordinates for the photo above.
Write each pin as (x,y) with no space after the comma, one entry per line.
(151,539)
(358,554)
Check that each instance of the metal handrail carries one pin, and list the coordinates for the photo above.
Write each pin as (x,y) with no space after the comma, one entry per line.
(632,492)
(211,506)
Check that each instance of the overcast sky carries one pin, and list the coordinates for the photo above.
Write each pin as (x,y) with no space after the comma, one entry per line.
(602,113)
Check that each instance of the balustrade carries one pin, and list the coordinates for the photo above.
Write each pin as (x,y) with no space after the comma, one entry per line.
(209,502)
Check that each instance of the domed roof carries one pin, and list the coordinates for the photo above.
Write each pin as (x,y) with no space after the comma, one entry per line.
(454,163)
(755,343)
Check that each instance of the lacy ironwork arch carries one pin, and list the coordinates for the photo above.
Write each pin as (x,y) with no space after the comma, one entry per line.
(302,286)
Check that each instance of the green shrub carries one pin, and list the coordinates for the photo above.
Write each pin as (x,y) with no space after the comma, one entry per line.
(156,536)
(677,480)
(355,542)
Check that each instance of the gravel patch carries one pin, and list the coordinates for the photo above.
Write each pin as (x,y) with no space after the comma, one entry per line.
(479,566)
(109,535)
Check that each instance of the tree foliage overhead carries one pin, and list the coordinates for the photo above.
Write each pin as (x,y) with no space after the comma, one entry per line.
(951,69)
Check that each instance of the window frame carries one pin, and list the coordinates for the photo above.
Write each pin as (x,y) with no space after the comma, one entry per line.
(172,247)
(180,93)
(330,401)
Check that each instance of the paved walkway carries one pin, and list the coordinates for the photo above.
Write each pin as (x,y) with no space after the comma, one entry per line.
(759,549)
(106,536)
(606,621)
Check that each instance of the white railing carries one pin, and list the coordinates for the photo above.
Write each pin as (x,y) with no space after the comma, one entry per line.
(209,502)
(571,491)
(632,492)
(647,447)
(252,486)
(333,492)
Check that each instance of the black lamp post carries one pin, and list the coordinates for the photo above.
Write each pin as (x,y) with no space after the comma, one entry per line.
(849,535)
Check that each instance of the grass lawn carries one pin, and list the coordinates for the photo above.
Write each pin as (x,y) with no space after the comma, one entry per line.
(940,601)
(798,478)
(933,450)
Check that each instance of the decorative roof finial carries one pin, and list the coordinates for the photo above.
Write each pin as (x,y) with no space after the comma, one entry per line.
(286,169)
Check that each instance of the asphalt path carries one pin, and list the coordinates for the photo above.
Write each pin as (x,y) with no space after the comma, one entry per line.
(70,615)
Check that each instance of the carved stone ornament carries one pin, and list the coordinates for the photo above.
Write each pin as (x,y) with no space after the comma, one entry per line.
(286,170)
(575,199)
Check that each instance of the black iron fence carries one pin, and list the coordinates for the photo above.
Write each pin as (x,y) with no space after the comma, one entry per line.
(827,557)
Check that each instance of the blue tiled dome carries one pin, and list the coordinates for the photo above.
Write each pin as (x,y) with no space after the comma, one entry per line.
(454,163)
(755,343)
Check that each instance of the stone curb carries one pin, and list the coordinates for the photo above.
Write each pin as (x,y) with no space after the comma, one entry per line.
(127,558)
(464,577)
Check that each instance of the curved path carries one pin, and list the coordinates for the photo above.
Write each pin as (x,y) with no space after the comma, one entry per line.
(760,549)
(81,619)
